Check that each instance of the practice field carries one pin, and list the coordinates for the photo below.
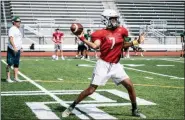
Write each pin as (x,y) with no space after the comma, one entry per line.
(49,85)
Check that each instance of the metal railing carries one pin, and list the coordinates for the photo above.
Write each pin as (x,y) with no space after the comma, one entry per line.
(46,43)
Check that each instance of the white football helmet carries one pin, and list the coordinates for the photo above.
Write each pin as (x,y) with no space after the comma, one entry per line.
(106,18)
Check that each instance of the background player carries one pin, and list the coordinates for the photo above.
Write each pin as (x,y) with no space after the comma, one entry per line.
(57,39)
(111,42)
(126,50)
(81,48)
(182,42)
(136,48)
(87,49)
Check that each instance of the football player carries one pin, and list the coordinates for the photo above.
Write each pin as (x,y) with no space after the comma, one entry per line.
(182,42)
(111,42)
(57,39)
(136,48)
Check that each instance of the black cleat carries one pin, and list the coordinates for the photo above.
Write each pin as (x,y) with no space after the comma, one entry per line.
(136,113)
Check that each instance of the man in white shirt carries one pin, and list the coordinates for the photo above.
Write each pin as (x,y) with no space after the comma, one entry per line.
(14,49)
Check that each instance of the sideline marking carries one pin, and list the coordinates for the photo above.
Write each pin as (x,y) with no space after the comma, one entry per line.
(146,71)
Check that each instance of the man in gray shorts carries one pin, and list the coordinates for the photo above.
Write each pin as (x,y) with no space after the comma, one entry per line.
(57,39)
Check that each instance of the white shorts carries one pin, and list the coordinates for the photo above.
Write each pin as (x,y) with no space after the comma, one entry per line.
(58,47)
(103,71)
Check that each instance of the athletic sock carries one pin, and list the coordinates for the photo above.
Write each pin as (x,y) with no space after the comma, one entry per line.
(134,106)
(73,104)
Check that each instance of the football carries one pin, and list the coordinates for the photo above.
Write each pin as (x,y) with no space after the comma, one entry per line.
(76,28)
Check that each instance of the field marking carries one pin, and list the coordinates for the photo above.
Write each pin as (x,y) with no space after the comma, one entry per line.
(85,65)
(92,110)
(77,113)
(42,111)
(134,65)
(159,74)
(149,78)
(165,65)
(110,83)
(173,60)
(60,79)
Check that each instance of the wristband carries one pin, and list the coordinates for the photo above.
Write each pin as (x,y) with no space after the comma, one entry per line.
(82,38)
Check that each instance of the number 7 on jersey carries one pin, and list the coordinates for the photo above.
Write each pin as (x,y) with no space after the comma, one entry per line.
(113,41)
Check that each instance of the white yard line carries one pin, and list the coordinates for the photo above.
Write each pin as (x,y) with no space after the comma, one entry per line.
(165,65)
(149,78)
(172,60)
(159,74)
(77,113)
(60,79)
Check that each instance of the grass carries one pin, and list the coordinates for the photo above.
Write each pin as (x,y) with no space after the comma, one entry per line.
(167,93)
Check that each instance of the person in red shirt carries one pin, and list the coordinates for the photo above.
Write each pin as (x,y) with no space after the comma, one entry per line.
(57,39)
(111,42)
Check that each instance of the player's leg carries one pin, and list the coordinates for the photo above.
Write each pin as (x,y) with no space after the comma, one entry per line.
(78,51)
(132,95)
(141,51)
(87,52)
(16,66)
(9,59)
(182,51)
(128,54)
(61,51)
(135,50)
(120,77)
(90,90)
(56,52)
(83,52)
(99,78)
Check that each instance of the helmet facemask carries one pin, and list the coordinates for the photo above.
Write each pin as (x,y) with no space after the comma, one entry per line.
(110,22)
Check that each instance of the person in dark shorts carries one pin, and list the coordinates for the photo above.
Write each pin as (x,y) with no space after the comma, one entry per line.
(126,50)
(81,48)
(14,49)
(87,49)
(182,42)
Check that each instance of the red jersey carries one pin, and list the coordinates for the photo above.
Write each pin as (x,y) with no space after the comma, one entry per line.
(111,43)
(58,37)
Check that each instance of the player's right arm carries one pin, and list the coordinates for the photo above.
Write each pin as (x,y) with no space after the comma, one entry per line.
(94,45)
(11,34)
(53,38)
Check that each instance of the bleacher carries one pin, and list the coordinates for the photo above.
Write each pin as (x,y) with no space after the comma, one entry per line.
(61,13)
(136,14)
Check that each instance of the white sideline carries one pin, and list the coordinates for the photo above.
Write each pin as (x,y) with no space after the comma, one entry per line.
(145,71)
(61,102)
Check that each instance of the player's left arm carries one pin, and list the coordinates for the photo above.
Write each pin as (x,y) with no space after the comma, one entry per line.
(53,38)
(62,36)
(135,42)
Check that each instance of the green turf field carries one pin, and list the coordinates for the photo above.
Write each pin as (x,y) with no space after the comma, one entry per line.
(159,83)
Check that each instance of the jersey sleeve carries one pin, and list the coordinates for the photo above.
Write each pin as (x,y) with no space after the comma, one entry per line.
(124,32)
(97,35)
(11,32)
(62,34)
